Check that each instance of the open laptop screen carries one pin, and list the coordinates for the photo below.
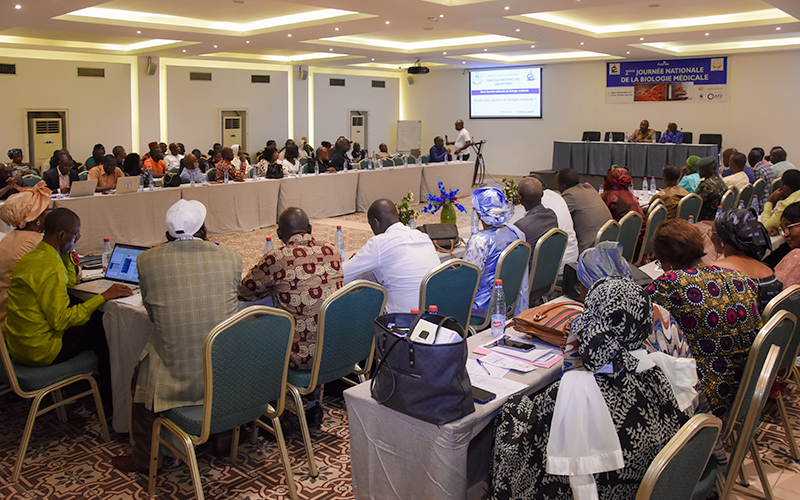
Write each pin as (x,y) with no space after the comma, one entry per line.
(122,265)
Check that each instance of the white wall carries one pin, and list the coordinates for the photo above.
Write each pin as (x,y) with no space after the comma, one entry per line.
(332,106)
(761,111)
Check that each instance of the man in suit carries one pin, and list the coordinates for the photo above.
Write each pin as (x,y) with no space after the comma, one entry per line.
(62,176)
(589,212)
(188,287)
(538,219)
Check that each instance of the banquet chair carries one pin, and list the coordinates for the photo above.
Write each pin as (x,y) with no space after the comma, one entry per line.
(211,174)
(655,217)
(691,204)
(759,187)
(762,380)
(245,363)
(36,382)
(775,332)
(258,154)
(590,135)
(729,199)
(82,176)
(174,170)
(411,159)
(303,161)
(609,232)
(451,287)
(774,185)
(688,137)
(425,159)
(345,338)
(31,180)
(363,164)
(511,266)
(711,139)
(387,162)
(398,161)
(657,136)
(615,137)
(787,300)
(678,467)
(546,262)
(746,196)
(629,228)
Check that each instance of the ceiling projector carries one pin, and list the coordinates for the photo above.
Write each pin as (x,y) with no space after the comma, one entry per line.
(416,69)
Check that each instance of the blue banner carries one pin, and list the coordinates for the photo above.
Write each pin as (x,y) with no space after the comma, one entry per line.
(702,79)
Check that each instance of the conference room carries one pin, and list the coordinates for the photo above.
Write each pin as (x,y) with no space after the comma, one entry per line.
(131,72)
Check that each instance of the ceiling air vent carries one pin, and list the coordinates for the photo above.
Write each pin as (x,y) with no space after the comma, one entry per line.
(337,82)
(201,77)
(259,78)
(378,84)
(94,72)
(8,69)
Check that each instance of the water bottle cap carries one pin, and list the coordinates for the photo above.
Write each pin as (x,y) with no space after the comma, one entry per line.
(719,207)
(415,311)
(338,227)
(105,239)
(412,217)
(498,282)
(269,238)
(433,309)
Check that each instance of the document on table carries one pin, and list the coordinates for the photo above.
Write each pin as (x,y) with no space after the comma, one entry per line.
(134,300)
(484,370)
(496,360)
(501,387)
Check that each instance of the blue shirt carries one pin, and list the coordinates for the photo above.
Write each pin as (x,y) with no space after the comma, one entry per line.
(676,138)
(437,154)
(690,182)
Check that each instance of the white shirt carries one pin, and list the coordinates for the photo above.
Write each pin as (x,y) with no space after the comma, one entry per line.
(289,168)
(399,258)
(173,160)
(463,137)
(556,203)
(739,180)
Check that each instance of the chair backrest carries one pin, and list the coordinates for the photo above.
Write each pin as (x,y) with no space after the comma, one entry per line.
(363,164)
(654,203)
(759,187)
(711,139)
(83,175)
(688,137)
(303,160)
(511,268)
(411,159)
(609,232)
(425,159)
(778,332)
(387,162)
(590,135)
(245,363)
(546,261)
(654,219)
(629,228)
(729,199)
(657,135)
(676,470)
(690,205)
(774,185)
(345,330)
(615,136)
(451,286)
(211,174)
(787,300)
(398,161)
(31,180)
(746,195)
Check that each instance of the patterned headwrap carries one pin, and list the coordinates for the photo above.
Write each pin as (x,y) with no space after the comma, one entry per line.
(25,206)
(691,162)
(603,260)
(617,317)
(13,152)
(741,229)
(619,178)
(491,205)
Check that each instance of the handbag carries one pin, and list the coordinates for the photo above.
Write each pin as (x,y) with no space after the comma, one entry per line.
(171,180)
(274,171)
(444,236)
(425,381)
(548,322)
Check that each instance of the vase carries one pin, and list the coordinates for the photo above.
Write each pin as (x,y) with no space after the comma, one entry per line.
(448,214)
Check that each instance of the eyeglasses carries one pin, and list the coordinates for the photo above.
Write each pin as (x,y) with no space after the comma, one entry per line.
(786,229)
(77,235)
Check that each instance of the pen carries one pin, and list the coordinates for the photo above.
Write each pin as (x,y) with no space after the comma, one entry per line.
(484,367)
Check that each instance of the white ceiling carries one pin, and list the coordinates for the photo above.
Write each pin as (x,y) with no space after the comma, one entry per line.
(390,34)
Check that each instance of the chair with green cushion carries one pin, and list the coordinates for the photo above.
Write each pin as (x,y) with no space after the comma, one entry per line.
(387,162)
(345,338)
(759,187)
(746,196)
(451,287)
(629,228)
(729,199)
(511,266)
(31,180)
(655,217)
(363,164)
(691,204)
(211,174)
(608,232)
(654,203)
(678,467)
(258,153)
(303,160)
(398,161)
(411,159)
(82,176)
(774,185)
(175,170)
(545,263)
(36,382)
(245,365)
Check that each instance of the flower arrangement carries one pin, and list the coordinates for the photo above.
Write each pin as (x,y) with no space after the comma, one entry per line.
(403,210)
(510,190)
(446,201)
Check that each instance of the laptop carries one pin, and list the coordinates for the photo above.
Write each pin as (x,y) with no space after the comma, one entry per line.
(121,269)
(82,188)
(127,185)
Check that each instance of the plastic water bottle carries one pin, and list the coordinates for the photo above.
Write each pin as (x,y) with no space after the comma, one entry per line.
(445,157)
(754,203)
(691,219)
(150,181)
(254,173)
(653,188)
(741,204)
(299,170)
(405,162)
(474,226)
(106,253)
(719,212)
(460,157)
(370,165)
(498,309)
(268,245)
(419,160)
(141,183)
(316,167)
(225,177)
(338,240)
(412,222)
(600,191)
(192,183)
(432,309)
(645,187)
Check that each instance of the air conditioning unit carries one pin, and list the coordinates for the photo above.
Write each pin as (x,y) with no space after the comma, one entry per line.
(232,131)
(47,138)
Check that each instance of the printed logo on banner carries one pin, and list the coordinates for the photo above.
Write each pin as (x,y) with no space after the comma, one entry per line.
(613,68)
(718,64)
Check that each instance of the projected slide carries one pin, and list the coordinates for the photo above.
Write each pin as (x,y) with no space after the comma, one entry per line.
(505,93)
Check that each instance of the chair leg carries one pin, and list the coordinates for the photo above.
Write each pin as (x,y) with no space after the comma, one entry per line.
(787,428)
(301,415)
(235,445)
(101,414)
(287,469)
(26,436)
(760,470)
(254,435)
(60,411)
(155,444)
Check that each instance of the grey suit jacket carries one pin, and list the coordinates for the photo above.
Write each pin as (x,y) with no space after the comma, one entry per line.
(537,221)
(589,212)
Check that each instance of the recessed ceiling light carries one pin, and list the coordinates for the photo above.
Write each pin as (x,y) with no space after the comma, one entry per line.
(444,53)
(373,58)
(517,30)
(247,41)
(708,34)
(642,38)
(215,46)
(463,62)
(532,46)
(441,15)
(485,50)
(628,52)
(289,35)
(776,29)
(335,29)
(507,8)
(387,22)
(184,50)
(581,43)
(331,50)
(18,7)
(139,32)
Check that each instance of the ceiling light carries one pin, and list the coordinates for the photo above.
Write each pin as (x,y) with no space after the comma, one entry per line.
(18,7)
(507,8)
(532,46)
(331,50)
(642,38)
(517,30)
(463,62)
(485,50)
(184,50)
(247,41)
(335,29)
(444,53)
(581,43)
(215,46)
(708,34)
(387,22)
(373,58)
(289,35)
(776,29)
(139,32)
(441,15)
(628,52)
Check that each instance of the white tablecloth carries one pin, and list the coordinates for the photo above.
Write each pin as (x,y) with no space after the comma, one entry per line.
(393,183)
(324,195)
(238,206)
(454,175)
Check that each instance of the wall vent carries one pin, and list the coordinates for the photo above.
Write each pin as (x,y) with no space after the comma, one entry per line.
(337,82)
(8,69)
(259,78)
(379,84)
(200,77)
(93,72)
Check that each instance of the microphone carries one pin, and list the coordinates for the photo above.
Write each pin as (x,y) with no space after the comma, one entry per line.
(446,140)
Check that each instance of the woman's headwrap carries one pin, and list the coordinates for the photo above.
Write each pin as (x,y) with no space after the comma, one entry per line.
(741,229)
(619,178)
(491,205)
(603,260)
(13,152)
(25,206)
(691,162)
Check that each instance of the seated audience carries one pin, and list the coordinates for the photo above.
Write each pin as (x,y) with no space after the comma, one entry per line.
(538,219)
(264,157)
(384,151)
(202,164)
(106,174)
(150,146)
(155,165)
(290,164)
(9,183)
(743,241)
(18,164)
(588,210)
(642,134)
(788,269)
(282,152)
(672,194)
(711,188)
(727,157)
(225,165)
(240,160)
(62,176)
(357,153)
(191,172)
(738,178)
(398,256)
(188,287)
(120,154)
(53,161)
(632,413)
(338,154)
(690,179)
(438,152)
(761,170)
(213,159)
(43,329)
(672,135)
(617,194)
(98,152)
(268,157)
(484,249)
(173,159)
(788,193)
(25,212)
(325,164)
(132,166)
(717,310)
(553,200)
(780,164)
